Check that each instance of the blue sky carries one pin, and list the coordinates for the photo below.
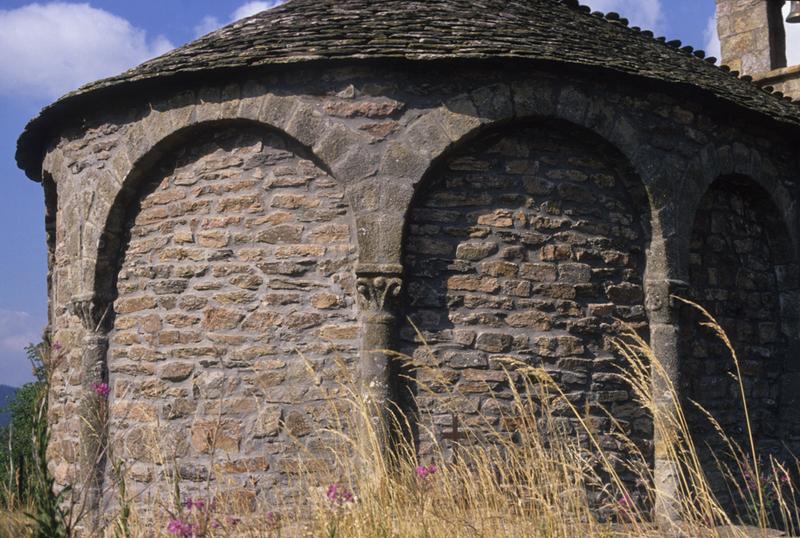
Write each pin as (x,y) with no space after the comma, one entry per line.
(49,48)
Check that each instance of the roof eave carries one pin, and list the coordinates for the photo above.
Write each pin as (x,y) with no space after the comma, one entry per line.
(40,132)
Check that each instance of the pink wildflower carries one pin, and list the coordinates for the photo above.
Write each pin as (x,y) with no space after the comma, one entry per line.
(338,496)
(181,528)
(101,389)
(626,507)
(199,504)
(273,520)
(425,472)
(233,521)
(785,478)
(57,346)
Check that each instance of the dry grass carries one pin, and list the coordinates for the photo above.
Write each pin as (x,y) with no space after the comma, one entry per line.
(13,524)
(535,483)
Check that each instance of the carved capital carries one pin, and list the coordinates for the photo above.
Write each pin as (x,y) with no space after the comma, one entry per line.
(656,295)
(93,311)
(659,294)
(375,292)
(378,285)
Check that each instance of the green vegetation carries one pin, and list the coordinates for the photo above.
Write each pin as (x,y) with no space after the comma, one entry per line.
(17,438)
(30,506)
(50,514)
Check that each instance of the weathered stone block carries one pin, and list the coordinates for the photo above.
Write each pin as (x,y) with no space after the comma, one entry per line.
(532,319)
(499,268)
(221,319)
(134,304)
(283,233)
(268,422)
(473,251)
(472,283)
(493,342)
(223,435)
(176,371)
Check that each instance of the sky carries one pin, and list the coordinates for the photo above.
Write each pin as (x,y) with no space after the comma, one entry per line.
(50,48)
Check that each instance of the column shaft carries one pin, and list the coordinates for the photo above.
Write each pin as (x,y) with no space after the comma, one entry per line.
(665,378)
(93,407)
(378,287)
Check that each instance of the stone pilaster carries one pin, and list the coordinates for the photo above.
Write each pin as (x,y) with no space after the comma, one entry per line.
(378,288)
(663,311)
(94,314)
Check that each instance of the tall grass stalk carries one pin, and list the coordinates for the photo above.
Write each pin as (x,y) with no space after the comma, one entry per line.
(545,473)
(713,325)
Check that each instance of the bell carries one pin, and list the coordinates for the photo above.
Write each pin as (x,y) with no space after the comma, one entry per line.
(794,12)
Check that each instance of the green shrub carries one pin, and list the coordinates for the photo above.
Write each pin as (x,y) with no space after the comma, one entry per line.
(17,438)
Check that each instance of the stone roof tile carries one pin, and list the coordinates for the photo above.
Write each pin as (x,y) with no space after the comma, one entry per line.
(426,30)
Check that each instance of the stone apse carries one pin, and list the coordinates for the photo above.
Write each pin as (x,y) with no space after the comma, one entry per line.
(237,253)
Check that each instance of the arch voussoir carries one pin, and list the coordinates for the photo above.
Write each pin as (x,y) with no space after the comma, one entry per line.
(335,145)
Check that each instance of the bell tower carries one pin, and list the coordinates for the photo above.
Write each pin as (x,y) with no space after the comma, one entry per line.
(753,40)
(752,35)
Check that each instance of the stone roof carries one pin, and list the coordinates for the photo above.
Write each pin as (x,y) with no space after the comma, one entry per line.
(426,30)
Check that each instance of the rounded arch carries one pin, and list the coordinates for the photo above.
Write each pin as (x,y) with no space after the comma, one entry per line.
(50,224)
(444,131)
(110,241)
(743,269)
(467,117)
(722,165)
(527,241)
(504,125)
(496,126)
(229,254)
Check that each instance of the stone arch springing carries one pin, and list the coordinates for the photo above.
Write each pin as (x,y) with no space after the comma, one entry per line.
(499,262)
(312,255)
(743,270)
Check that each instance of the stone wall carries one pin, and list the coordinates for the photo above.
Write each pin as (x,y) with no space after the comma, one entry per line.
(393,146)
(235,322)
(743,272)
(528,245)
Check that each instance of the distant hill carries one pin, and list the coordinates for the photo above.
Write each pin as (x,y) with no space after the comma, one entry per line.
(6,393)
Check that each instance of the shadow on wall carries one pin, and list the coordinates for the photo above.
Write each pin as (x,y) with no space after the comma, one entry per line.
(527,243)
(743,270)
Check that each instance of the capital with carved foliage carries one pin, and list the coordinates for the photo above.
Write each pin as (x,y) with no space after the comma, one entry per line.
(378,287)
(93,311)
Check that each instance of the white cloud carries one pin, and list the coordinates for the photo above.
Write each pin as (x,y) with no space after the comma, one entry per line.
(251,8)
(711,39)
(209,23)
(49,49)
(646,14)
(17,330)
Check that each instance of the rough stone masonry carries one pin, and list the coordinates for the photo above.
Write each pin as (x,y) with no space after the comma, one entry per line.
(236,227)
